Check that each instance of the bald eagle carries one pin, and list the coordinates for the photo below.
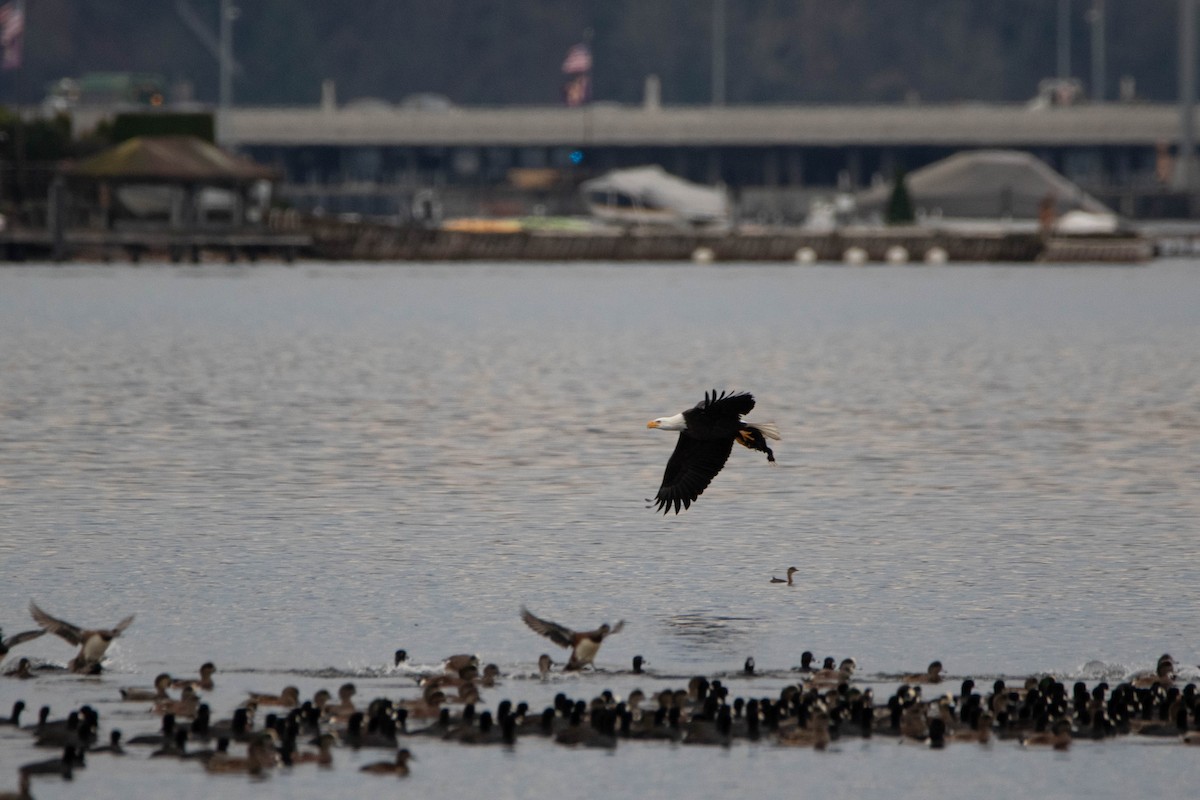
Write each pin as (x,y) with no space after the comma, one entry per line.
(706,436)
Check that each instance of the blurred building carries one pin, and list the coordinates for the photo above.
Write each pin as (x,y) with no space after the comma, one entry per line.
(372,159)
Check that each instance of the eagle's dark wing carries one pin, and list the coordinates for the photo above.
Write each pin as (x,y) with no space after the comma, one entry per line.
(726,405)
(561,636)
(690,469)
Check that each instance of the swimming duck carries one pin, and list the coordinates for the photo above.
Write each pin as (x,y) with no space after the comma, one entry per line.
(427,707)
(173,748)
(584,645)
(162,682)
(457,663)
(344,707)
(1058,737)
(932,675)
(488,731)
(14,719)
(165,734)
(13,641)
(23,670)
(399,767)
(260,755)
(114,745)
(22,792)
(815,734)
(238,728)
(288,698)
(324,755)
(205,681)
(1163,675)
(828,676)
(78,729)
(601,733)
(491,673)
(186,706)
(544,665)
(64,765)
(788,580)
(93,642)
(638,663)
(399,657)
(980,733)
(806,662)
(468,674)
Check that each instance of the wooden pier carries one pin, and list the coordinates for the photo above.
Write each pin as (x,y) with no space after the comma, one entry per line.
(364,242)
(332,240)
(134,245)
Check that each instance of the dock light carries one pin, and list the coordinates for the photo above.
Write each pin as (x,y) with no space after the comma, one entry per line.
(576,157)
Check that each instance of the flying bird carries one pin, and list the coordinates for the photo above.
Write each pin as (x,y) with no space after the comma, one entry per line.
(584,646)
(93,643)
(706,436)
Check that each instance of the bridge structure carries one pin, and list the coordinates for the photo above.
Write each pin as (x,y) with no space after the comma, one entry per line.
(369,157)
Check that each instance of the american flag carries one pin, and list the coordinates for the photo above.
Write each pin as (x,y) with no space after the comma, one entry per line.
(578,60)
(12,32)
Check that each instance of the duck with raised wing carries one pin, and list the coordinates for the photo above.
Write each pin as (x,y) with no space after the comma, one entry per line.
(92,642)
(584,644)
(13,641)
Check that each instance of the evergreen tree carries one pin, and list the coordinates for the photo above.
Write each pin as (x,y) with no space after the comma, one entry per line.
(899,207)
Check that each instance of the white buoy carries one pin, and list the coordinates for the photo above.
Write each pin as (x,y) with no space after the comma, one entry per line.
(703,255)
(855,256)
(936,255)
(806,255)
(896,255)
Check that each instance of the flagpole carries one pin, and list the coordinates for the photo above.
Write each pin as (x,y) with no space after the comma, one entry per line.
(718,53)
(19,137)
(587,102)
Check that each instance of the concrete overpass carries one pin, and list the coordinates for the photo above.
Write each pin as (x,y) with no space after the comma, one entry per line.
(965,125)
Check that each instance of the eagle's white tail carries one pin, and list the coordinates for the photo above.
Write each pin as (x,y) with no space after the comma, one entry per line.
(769,429)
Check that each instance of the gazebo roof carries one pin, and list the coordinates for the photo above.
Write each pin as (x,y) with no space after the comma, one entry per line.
(169,159)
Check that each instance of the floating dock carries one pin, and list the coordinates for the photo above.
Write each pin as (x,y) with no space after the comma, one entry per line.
(333,240)
(339,241)
(134,245)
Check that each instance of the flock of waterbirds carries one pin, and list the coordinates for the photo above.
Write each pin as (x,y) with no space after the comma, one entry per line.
(819,705)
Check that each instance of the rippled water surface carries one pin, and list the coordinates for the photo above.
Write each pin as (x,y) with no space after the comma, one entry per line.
(300,468)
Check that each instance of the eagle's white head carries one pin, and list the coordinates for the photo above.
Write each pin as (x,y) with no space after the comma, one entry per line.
(675,423)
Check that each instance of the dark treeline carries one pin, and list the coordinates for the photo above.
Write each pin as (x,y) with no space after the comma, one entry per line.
(510,51)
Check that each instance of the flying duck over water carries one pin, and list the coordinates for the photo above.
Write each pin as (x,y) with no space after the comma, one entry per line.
(706,436)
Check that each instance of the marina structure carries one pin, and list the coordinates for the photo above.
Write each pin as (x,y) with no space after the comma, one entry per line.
(373,158)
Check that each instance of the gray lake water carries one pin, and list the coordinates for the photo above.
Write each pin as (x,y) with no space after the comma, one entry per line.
(293,471)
